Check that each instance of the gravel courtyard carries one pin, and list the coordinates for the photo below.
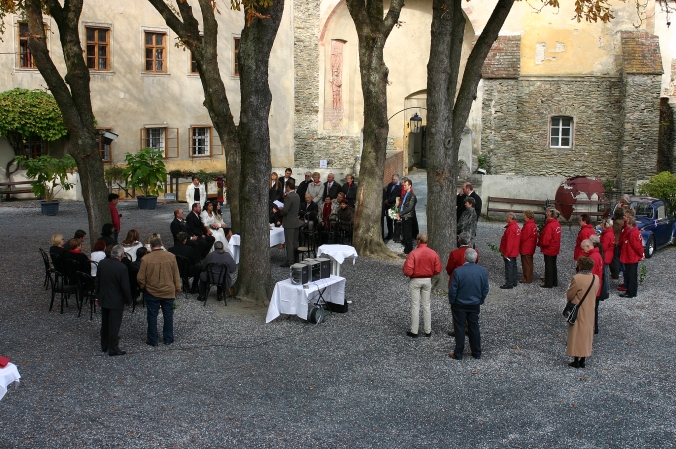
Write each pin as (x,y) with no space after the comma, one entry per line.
(356,380)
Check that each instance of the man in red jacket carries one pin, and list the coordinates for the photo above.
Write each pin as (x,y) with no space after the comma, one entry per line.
(421,264)
(589,250)
(631,252)
(529,239)
(509,247)
(586,231)
(113,199)
(550,245)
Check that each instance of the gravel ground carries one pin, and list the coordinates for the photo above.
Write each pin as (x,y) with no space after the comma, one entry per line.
(356,380)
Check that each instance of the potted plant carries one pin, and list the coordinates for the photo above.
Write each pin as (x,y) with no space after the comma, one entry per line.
(51,176)
(145,170)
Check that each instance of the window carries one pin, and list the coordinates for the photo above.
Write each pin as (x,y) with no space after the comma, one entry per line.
(98,49)
(155,52)
(34,146)
(161,138)
(561,132)
(104,148)
(155,138)
(200,141)
(193,63)
(236,56)
(25,57)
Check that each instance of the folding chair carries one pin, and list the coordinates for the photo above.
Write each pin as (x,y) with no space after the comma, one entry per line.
(216,275)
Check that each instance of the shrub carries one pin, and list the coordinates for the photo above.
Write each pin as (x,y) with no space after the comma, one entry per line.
(663,186)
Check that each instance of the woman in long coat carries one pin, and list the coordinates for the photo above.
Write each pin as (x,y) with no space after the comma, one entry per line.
(581,334)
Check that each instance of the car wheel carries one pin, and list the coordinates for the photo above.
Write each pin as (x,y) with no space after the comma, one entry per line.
(650,247)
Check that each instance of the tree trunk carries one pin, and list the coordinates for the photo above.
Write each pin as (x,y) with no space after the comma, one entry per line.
(373,30)
(204,47)
(254,133)
(74,101)
(447,113)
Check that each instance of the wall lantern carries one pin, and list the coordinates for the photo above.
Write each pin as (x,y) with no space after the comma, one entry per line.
(415,123)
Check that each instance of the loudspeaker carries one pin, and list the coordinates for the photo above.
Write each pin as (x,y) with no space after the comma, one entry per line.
(325,267)
(314,269)
(299,273)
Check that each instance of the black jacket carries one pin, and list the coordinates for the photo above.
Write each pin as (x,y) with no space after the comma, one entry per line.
(333,192)
(312,209)
(179,226)
(390,195)
(350,192)
(187,251)
(461,204)
(112,284)
(302,189)
(194,223)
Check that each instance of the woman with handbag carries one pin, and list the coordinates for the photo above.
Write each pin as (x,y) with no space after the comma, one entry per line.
(582,293)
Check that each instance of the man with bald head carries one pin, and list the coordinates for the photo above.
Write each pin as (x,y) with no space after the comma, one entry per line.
(331,187)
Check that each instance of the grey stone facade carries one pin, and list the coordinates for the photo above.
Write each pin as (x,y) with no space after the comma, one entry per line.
(516,118)
(310,145)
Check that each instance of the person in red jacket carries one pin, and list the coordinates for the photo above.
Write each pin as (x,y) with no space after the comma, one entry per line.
(509,247)
(607,240)
(586,231)
(631,252)
(113,199)
(550,245)
(588,250)
(421,264)
(628,213)
(529,239)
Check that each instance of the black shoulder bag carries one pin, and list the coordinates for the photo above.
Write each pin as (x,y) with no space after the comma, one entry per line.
(570,311)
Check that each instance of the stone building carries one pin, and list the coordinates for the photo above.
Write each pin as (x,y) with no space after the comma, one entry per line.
(558,97)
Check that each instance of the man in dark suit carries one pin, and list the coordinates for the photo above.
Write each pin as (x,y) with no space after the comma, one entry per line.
(287,176)
(218,255)
(331,187)
(191,253)
(204,238)
(468,191)
(390,194)
(409,220)
(302,187)
(179,225)
(468,291)
(113,291)
(308,208)
(290,222)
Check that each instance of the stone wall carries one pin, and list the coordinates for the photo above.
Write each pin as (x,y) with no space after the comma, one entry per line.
(310,145)
(394,164)
(516,120)
(641,108)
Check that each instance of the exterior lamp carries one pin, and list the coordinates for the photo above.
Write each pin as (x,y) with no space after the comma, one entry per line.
(415,123)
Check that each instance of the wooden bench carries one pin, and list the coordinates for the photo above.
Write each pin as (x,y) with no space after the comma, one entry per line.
(535,205)
(13,187)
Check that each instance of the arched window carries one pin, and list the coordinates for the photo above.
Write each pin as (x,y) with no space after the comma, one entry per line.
(561,132)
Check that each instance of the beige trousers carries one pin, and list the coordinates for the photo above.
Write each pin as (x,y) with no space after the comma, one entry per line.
(420,288)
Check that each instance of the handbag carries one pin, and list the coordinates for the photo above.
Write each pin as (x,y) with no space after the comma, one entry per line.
(570,311)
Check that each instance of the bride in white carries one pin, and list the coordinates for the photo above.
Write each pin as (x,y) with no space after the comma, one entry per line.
(214,223)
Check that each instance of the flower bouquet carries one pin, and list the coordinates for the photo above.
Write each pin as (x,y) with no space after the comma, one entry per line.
(215,226)
(392,212)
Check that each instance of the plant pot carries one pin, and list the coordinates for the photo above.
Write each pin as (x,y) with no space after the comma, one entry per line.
(50,207)
(146,202)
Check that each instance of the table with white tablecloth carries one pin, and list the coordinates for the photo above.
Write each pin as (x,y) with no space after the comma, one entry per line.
(338,254)
(293,299)
(276,238)
(8,375)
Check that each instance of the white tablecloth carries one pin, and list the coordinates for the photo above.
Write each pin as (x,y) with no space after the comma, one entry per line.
(276,238)
(8,375)
(338,253)
(293,299)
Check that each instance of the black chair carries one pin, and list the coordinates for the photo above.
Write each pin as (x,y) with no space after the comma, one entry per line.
(308,244)
(345,231)
(58,263)
(85,283)
(59,286)
(216,275)
(48,266)
(135,289)
(184,270)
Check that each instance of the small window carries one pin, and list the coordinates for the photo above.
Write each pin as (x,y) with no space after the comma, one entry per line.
(561,132)
(34,146)
(236,56)
(161,138)
(98,48)
(193,64)
(200,141)
(105,149)
(155,55)
(25,57)
(155,138)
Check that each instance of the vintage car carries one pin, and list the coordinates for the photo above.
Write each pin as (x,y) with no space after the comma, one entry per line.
(655,221)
